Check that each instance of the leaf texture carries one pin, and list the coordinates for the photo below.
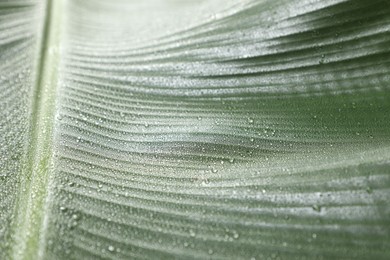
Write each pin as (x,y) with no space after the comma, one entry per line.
(19,46)
(209,129)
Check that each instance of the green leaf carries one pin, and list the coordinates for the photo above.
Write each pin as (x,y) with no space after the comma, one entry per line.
(185,129)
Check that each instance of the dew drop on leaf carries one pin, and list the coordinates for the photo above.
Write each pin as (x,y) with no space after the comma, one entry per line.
(316,207)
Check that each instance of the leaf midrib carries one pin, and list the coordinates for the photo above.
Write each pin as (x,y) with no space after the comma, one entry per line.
(28,225)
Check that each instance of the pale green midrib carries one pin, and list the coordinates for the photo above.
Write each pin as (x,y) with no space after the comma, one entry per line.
(43,54)
(29,213)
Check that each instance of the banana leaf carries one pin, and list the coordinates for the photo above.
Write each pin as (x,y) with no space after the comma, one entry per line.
(183,129)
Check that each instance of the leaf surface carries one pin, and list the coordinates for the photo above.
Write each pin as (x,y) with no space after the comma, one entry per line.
(195,129)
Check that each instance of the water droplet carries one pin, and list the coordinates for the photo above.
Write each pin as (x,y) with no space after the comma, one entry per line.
(205,182)
(111,248)
(73,224)
(322,59)
(316,207)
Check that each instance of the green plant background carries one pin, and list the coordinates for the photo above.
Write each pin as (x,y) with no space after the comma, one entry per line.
(185,129)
